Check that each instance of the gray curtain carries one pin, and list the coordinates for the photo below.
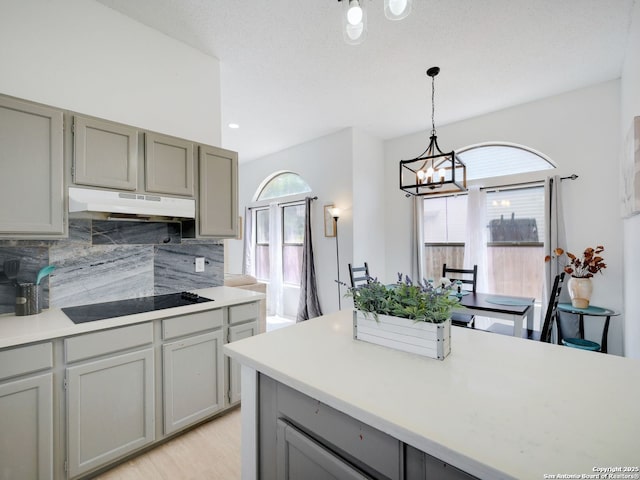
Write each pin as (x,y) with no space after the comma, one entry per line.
(555,237)
(308,305)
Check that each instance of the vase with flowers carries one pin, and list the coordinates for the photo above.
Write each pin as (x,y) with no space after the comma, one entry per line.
(581,269)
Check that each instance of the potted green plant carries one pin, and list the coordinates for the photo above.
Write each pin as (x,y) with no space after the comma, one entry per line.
(406,316)
(581,269)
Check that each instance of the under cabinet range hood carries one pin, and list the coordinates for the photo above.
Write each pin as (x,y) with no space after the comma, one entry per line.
(130,203)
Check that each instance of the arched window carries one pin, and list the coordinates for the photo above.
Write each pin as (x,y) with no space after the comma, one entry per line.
(278,223)
(514,220)
(491,160)
(281,184)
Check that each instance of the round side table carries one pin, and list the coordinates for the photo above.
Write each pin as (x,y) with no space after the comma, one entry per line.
(592,311)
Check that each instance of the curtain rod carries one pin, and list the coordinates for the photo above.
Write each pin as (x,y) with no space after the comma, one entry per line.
(532,183)
(266,205)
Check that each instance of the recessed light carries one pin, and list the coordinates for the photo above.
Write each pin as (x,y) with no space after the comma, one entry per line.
(234,125)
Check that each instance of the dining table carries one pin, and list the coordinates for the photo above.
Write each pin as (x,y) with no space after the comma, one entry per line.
(503,307)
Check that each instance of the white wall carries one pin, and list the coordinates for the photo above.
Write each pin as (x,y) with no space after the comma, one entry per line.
(630,106)
(368,204)
(82,56)
(579,131)
(325,163)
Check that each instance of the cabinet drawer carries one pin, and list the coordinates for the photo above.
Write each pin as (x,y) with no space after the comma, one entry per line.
(23,360)
(107,341)
(367,448)
(244,312)
(193,323)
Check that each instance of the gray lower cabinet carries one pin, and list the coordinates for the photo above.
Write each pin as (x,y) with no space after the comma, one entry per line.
(26,413)
(218,192)
(31,183)
(109,396)
(105,154)
(302,438)
(107,407)
(238,332)
(301,457)
(422,466)
(192,379)
(243,323)
(354,446)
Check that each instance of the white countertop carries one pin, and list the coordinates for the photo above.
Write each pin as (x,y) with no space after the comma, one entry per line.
(53,323)
(496,407)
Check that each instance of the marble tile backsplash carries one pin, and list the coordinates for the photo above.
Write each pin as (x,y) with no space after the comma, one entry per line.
(103,261)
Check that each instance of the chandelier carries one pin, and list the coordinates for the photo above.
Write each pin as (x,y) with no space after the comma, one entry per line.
(433,172)
(354,20)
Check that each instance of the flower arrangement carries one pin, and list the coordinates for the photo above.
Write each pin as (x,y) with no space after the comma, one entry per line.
(582,267)
(422,302)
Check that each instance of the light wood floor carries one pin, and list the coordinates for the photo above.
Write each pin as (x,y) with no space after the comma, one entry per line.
(211,452)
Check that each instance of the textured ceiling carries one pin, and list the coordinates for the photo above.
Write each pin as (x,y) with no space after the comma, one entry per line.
(288,77)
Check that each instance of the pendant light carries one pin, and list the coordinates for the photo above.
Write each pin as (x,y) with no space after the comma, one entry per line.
(397,9)
(354,22)
(354,19)
(433,172)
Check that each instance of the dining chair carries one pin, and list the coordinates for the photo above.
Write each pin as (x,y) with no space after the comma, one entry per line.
(552,309)
(359,275)
(468,277)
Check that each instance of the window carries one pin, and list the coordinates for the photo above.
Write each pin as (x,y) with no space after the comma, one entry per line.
(282,184)
(516,216)
(289,231)
(515,222)
(492,160)
(262,244)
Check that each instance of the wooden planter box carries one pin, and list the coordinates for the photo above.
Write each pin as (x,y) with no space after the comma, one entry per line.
(428,339)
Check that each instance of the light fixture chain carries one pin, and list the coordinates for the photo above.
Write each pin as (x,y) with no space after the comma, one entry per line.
(433,105)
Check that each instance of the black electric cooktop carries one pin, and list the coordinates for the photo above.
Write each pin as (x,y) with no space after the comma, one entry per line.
(120,308)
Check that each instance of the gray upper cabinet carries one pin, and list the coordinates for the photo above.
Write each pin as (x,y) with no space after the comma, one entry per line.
(32,179)
(168,165)
(105,154)
(218,195)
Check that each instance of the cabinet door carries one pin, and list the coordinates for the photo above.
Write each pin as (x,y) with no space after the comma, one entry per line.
(218,196)
(26,428)
(422,466)
(238,332)
(31,182)
(299,456)
(110,409)
(105,154)
(168,165)
(192,380)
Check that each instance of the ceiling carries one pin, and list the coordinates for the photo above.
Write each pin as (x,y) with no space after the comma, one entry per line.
(288,77)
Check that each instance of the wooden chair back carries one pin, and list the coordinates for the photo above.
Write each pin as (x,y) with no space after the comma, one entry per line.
(552,308)
(462,275)
(359,275)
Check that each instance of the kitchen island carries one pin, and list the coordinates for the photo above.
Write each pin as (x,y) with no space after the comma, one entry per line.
(496,407)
